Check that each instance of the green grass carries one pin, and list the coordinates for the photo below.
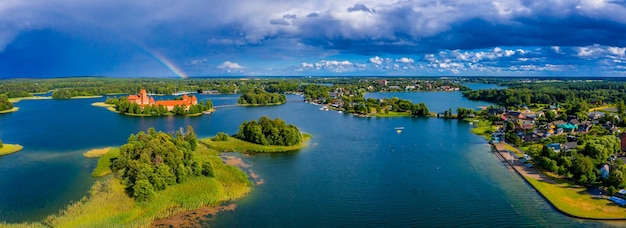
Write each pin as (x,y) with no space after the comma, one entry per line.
(109,206)
(18,99)
(573,200)
(483,128)
(14,109)
(96,152)
(392,114)
(10,148)
(233,144)
(104,163)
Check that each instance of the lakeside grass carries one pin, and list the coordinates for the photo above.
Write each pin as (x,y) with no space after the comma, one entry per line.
(483,128)
(14,109)
(104,163)
(18,99)
(573,200)
(107,204)
(237,145)
(94,153)
(10,148)
(109,107)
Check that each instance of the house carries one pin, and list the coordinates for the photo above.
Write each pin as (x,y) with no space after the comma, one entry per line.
(570,146)
(496,111)
(514,115)
(595,115)
(394,87)
(605,171)
(584,127)
(382,82)
(574,122)
(555,146)
(622,138)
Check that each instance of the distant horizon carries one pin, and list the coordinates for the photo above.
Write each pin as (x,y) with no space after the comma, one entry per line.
(329,76)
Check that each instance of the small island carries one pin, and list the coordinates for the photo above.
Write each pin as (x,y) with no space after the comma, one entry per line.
(264,136)
(157,175)
(143,105)
(9,148)
(259,97)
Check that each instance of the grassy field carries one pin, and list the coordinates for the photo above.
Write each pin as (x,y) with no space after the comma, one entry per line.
(234,144)
(104,163)
(96,152)
(483,128)
(109,206)
(10,148)
(573,200)
(14,109)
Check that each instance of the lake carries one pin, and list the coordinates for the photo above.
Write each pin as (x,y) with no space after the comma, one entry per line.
(356,172)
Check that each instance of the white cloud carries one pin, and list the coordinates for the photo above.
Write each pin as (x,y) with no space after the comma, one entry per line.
(198,61)
(376,60)
(617,51)
(405,60)
(230,65)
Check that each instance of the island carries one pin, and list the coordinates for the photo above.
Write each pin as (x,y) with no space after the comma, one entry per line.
(9,148)
(143,105)
(258,97)
(264,136)
(157,175)
(565,138)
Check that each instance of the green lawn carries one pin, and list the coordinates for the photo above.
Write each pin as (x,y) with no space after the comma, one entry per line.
(234,144)
(483,128)
(572,199)
(10,148)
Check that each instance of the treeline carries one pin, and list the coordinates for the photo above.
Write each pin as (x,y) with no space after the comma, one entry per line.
(5,104)
(357,104)
(269,132)
(122,105)
(584,164)
(152,161)
(553,92)
(92,86)
(260,97)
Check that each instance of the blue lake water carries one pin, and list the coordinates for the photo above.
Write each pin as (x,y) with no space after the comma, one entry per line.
(356,172)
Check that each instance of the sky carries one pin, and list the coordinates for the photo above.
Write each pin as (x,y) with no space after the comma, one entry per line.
(165,38)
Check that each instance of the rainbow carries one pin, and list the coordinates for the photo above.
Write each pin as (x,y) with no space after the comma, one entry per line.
(168,63)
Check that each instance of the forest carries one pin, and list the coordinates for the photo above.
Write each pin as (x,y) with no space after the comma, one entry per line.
(152,161)
(269,132)
(260,97)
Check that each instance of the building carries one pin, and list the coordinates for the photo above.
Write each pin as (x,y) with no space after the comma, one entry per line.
(142,99)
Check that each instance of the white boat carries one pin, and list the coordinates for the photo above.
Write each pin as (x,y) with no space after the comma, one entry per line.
(399,128)
(340,111)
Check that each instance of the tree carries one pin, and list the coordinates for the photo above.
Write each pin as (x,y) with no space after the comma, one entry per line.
(143,190)
(5,104)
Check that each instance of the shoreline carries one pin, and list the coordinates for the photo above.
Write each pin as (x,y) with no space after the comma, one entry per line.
(533,176)
(14,109)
